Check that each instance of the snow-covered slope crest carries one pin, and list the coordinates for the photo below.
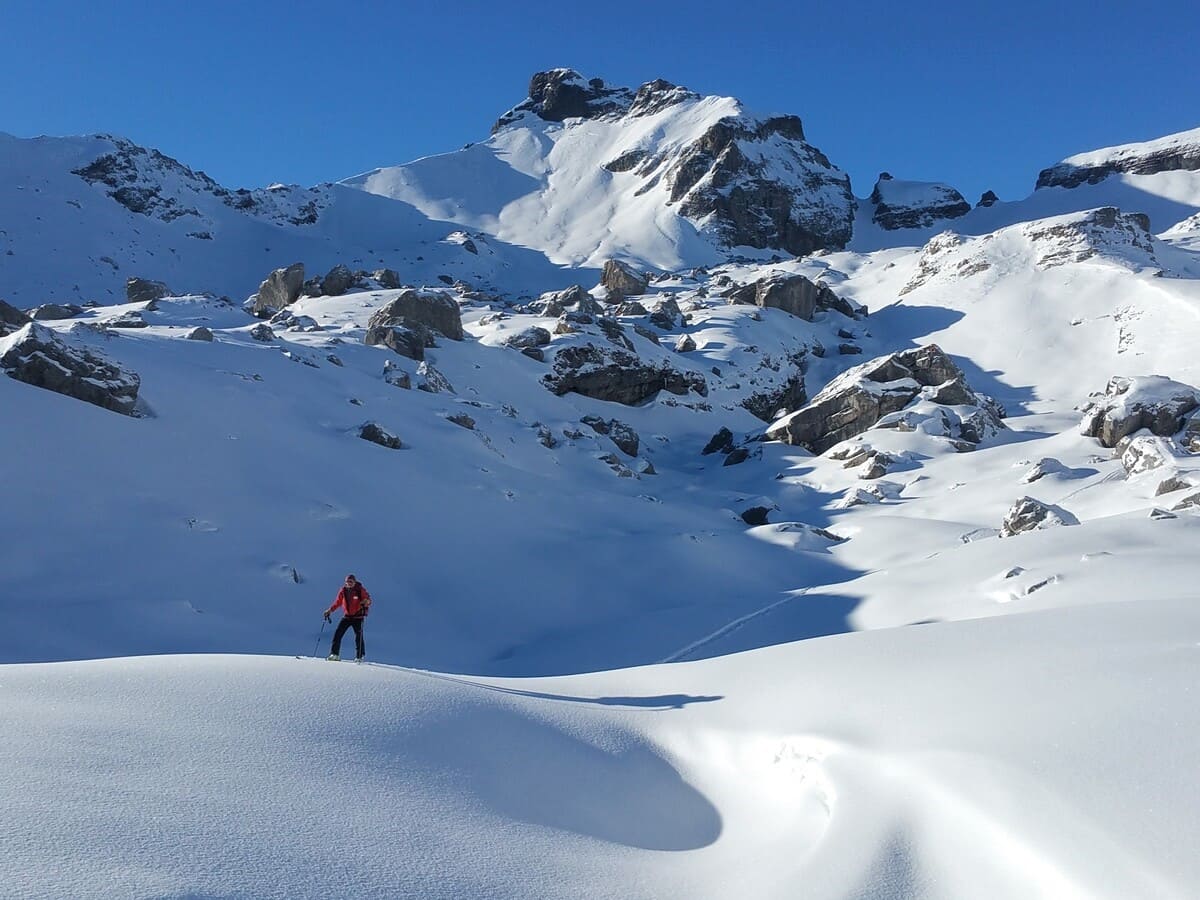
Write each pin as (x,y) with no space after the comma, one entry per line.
(660,175)
(1105,234)
(1174,152)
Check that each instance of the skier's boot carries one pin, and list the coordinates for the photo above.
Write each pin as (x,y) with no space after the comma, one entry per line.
(333,657)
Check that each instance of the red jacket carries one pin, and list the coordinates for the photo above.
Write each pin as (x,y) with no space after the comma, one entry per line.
(355,601)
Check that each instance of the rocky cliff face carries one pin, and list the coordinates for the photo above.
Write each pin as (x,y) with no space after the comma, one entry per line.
(1176,152)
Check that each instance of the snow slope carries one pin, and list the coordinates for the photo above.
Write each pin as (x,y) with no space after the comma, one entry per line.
(65,239)
(1040,756)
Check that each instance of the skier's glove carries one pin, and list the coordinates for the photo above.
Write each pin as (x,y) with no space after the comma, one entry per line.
(327,619)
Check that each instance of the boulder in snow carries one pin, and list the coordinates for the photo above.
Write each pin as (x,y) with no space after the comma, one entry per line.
(279,289)
(432,309)
(377,434)
(143,290)
(617,375)
(622,280)
(1028,514)
(1130,404)
(36,356)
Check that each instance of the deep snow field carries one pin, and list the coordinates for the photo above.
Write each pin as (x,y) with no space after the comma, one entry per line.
(588,675)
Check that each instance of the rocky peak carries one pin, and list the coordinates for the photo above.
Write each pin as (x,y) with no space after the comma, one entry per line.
(655,96)
(560,94)
(1175,152)
(914,204)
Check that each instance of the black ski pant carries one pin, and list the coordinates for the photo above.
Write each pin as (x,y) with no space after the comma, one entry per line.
(355,622)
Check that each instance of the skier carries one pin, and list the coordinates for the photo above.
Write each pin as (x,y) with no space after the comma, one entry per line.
(354,599)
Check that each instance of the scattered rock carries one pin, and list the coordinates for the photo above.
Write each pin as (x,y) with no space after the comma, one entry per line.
(770,403)
(794,294)
(534,336)
(376,434)
(621,434)
(396,376)
(34,355)
(131,319)
(462,420)
(432,381)
(388,279)
(1028,514)
(408,341)
(685,344)
(262,332)
(285,318)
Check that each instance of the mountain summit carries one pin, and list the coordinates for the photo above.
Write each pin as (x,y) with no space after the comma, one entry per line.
(586,171)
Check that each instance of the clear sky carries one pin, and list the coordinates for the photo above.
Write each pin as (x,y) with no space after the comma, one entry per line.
(977,95)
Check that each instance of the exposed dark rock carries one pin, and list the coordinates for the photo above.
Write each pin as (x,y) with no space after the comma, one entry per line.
(756,515)
(629,308)
(685,344)
(555,303)
(376,434)
(262,332)
(770,403)
(396,376)
(285,318)
(621,434)
(615,374)
(849,349)
(626,161)
(988,198)
(622,281)
(200,333)
(563,94)
(52,312)
(11,319)
(281,288)
(142,290)
(462,420)
(534,353)
(737,456)
(748,201)
(721,442)
(34,355)
(433,309)
(1130,404)
(645,332)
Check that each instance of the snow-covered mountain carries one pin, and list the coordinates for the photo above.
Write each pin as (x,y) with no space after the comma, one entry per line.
(645,554)
(661,175)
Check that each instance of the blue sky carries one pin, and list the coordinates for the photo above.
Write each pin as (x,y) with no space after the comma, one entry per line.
(978,95)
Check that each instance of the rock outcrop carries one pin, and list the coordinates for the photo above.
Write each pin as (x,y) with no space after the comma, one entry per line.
(377,434)
(859,398)
(914,204)
(613,373)
(620,433)
(36,356)
(1176,152)
(1130,404)
(337,281)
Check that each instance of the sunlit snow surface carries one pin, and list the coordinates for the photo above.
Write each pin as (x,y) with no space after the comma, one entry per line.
(590,685)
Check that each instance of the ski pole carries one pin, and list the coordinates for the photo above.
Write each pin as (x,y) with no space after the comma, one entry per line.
(320,635)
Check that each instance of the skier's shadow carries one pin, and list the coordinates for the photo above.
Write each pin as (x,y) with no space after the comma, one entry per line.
(655,702)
